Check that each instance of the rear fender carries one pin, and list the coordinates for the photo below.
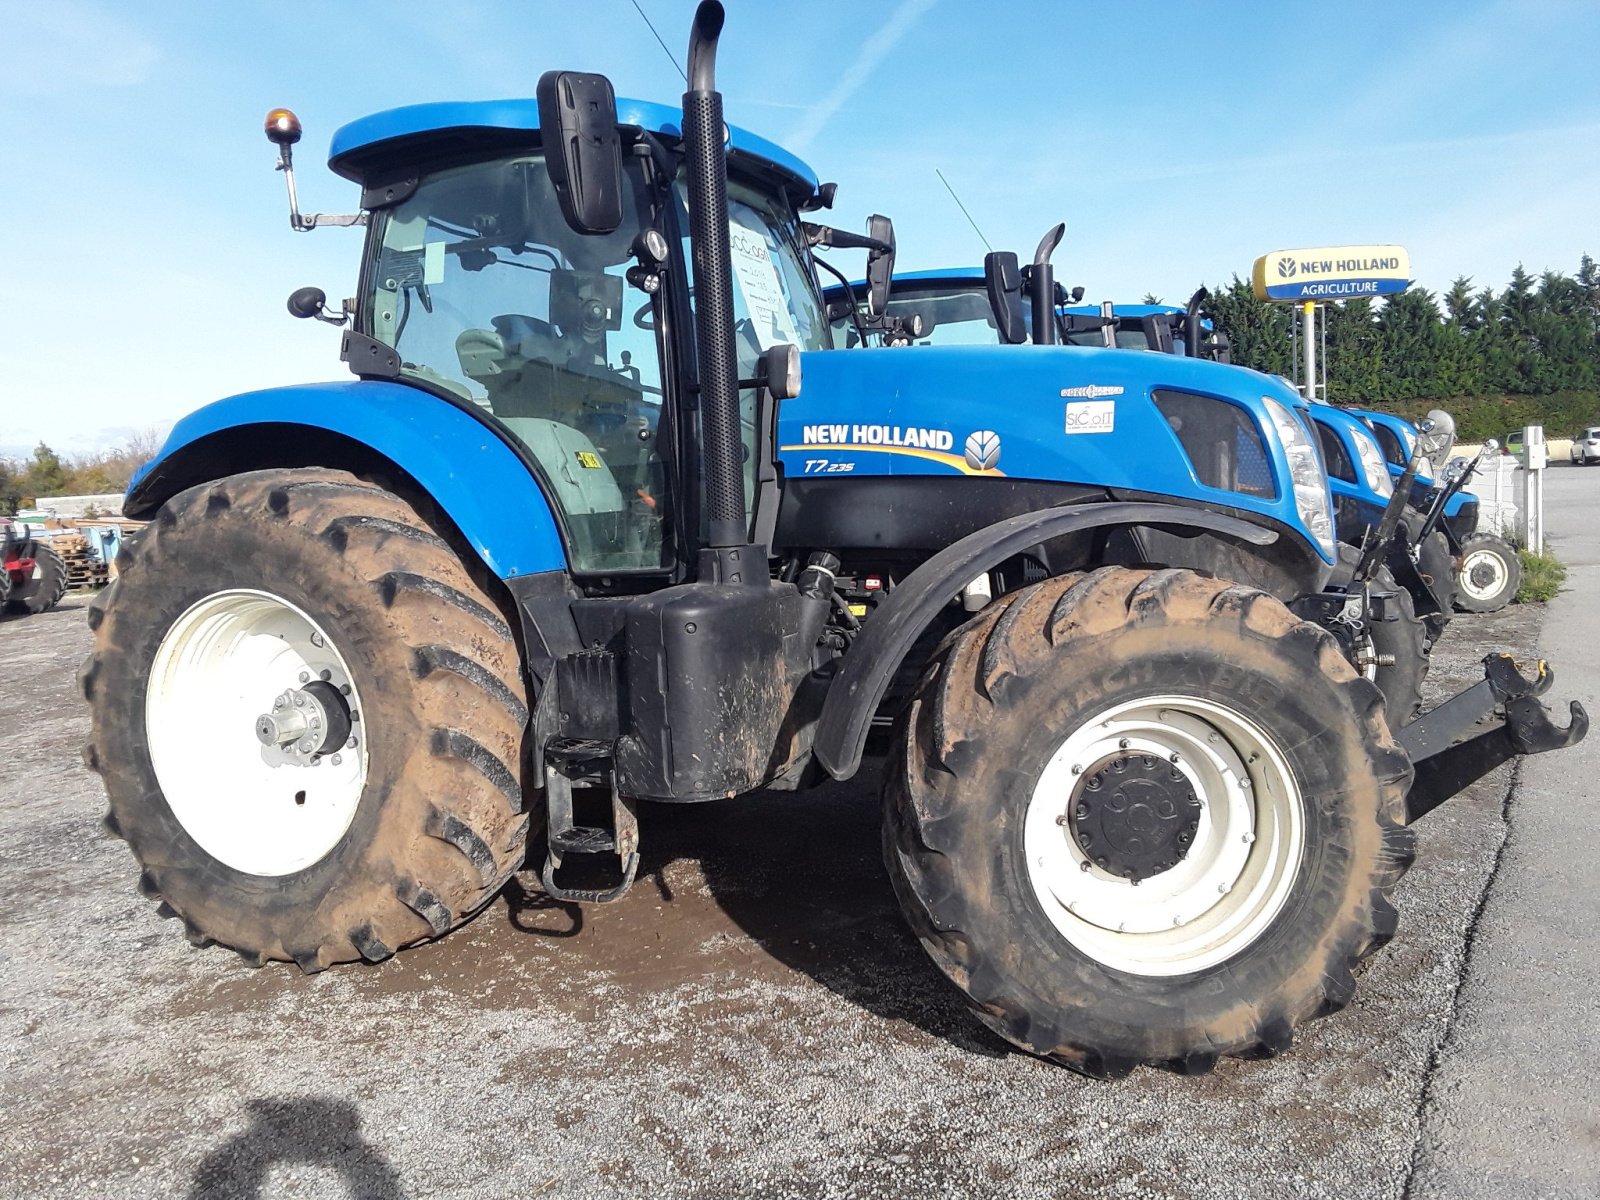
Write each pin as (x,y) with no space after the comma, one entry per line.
(456,457)
(870,664)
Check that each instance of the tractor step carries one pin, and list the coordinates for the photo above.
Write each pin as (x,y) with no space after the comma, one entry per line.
(587,763)
(584,839)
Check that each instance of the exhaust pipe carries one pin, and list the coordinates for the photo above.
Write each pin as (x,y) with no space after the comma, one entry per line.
(713,280)
(1044,288)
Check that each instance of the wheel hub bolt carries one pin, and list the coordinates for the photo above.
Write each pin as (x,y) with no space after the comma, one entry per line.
(299,700)
(317,639)
(305,676)
(336,760)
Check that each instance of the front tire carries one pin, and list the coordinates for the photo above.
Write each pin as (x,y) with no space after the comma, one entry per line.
(43,589)
(1490,574)
(1104,953)
(313,604)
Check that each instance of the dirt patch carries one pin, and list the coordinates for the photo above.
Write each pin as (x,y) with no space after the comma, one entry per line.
(753,1019)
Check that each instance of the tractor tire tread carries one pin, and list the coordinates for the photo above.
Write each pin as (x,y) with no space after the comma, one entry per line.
(457,660)
(940,732)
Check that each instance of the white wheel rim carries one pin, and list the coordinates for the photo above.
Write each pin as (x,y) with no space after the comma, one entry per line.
(1497,579)
(257,808)
(1238,870)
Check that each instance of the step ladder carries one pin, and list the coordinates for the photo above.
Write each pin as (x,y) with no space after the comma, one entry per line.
(586,765)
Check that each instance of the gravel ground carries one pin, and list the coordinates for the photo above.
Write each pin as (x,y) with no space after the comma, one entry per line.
(752,1020)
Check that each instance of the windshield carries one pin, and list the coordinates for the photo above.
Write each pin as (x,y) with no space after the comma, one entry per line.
(485,291)
(951,315)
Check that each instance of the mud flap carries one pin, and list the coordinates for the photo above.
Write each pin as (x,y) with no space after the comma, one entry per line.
(1445,766)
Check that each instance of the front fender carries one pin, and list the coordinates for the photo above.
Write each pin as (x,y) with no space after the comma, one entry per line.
(866,670)
(462,463)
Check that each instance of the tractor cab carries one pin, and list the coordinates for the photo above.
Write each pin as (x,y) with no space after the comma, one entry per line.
(476,287)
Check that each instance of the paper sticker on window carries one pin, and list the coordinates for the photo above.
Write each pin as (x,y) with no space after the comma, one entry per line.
(589,460)
(758,281)
(433,263)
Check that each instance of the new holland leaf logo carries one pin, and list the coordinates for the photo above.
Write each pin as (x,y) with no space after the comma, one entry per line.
(983,450)
(1287,268)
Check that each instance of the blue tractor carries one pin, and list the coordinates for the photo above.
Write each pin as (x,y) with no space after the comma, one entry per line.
(1388,639)
(576,538)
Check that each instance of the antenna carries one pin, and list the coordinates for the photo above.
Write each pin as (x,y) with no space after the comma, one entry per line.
(963,209)
(659,42)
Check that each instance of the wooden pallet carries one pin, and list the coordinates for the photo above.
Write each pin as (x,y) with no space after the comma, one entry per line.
(84,570)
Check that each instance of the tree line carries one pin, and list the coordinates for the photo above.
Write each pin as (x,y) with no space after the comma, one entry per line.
(47,473)
(1529,354)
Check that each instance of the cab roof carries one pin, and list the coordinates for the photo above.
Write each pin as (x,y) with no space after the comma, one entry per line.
(396,136)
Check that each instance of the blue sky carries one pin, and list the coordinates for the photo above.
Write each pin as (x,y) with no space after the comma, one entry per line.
(151,253)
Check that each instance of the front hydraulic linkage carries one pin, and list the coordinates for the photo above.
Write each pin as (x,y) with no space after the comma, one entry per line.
(1444,766)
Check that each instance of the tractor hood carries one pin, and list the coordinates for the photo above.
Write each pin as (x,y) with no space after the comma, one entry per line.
(1160,425)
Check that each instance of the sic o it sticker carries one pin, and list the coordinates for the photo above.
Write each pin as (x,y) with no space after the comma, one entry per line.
(1091,416)
(589,460)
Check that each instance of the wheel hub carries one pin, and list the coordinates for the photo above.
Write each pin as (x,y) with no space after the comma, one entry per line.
(1135,816)
(308,721)
(1482,573)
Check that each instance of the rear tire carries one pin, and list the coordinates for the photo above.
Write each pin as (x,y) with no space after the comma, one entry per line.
(981,846)
(1490,574)
(240,591)
(44,589)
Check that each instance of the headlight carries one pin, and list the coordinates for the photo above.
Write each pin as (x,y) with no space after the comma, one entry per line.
(1372,464)
(1310,481)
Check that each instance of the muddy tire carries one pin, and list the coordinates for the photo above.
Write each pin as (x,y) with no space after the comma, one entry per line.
(250,607)
(1282,885)
(44,589)
(1397,657)
(1490,574)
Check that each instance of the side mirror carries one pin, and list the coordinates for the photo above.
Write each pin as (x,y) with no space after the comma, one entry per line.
(1157,333)
(880,265)
(1077,294)
(1002,279)
(583,151)
(823,198)
(307,302)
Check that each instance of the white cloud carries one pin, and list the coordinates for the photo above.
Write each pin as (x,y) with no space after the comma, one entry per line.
(66,45)
(873,51)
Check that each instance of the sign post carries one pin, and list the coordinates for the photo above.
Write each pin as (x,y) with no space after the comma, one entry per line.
(1324,273)
(1534,460)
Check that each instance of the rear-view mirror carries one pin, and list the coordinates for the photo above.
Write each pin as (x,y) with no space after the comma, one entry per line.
(583,151)
(880,265)
(1002,279)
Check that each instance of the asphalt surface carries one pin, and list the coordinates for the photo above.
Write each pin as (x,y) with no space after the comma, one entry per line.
(1514,1106)
(753,1020)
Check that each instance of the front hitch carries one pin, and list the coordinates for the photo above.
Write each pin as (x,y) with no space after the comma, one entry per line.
(1445,767)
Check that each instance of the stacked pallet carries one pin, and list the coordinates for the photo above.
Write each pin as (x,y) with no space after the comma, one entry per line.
(84,570)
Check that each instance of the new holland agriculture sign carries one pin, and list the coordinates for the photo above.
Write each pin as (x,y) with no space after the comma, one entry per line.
(1332,273)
